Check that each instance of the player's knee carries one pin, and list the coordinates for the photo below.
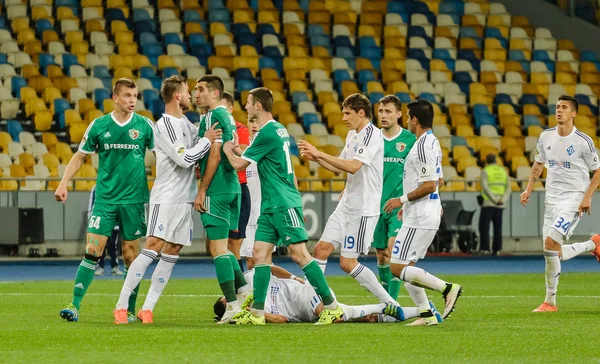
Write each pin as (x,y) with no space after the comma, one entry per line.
(397,269)
(383,256)
(322,250)
(172,249)
(153,243)
(551,243)
(348,264)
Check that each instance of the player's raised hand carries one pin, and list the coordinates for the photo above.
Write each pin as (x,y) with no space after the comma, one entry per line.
(61,194)
(585,205)
(391,205)
(525,197)
(308,150)
(213,134)
(199,201)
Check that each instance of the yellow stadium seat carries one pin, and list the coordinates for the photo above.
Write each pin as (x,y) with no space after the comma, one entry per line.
(108,105)
(512,153)
(50,94)
(34,105)
(25,35)
(80,48)
(348,88)
(93,25)
(27,161)
(460,151)
(19,23)
(287,118)
(64,12)
(64,84)
(127,49)
(50,160)
(76,132)
(85,105)
(50,140)
(5,140)
(72,117)
(49,36)
(485,150)
(73,36)
(465,162)
(27,93)
(43,120)
(39,83)
(340,130)
(518,161)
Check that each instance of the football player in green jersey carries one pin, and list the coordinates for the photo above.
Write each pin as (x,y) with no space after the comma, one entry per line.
(280,221)
(219,195)
(120,139)
(397,142)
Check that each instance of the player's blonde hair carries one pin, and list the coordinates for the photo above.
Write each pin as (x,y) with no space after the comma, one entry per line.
(170,86)
(123,82)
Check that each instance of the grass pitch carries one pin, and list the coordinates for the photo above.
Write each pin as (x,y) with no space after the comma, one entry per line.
(493,323)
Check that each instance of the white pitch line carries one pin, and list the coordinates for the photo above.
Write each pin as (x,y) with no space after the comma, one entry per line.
(218,295)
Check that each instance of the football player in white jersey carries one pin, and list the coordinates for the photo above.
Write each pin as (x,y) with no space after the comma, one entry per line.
(421,213)
(352,224)
(569,156)
(170,222)
(255,198)
(290,299)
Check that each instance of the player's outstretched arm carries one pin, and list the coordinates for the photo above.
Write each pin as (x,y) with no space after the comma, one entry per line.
(72,168)
(177,152)
(536,172)
(327,161)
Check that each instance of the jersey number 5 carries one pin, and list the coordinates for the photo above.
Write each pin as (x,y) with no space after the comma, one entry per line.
(94,222)
(288,159)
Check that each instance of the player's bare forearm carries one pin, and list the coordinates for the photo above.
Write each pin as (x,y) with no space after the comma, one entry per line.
(214,158)
(239,164)
(275,319)
(279,272)
(423,190)
(339,165)
(536,172)
(73,167)
(593,184)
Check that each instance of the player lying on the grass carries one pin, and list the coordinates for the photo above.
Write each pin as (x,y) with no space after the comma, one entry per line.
(120,139)
(170,221)
(569,156)
(291,299)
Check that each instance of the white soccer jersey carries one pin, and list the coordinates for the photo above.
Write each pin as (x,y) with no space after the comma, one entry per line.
(290,298)
(177,150)
(363,189)
(253,184)
(423,163)
(569,161)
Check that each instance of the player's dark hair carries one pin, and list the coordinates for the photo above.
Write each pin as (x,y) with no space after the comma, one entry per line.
(394,100)
(573,101)
(490,158)
(264,96)
(123,82)
(213,83)
(170,86)
(219,309)
(423,111)
(228,97)
(357,102)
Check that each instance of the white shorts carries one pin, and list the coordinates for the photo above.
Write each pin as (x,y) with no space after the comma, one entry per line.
(411,244)
(172,222)
(248,243)
(353,233)
(560,222)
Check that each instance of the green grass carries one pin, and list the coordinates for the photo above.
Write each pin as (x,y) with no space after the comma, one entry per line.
(493,323)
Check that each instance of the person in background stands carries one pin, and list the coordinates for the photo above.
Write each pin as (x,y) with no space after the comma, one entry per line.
(495,190)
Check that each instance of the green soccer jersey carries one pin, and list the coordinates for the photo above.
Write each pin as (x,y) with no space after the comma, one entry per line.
(270,150)
(225,180)
(395,151)
(121,150)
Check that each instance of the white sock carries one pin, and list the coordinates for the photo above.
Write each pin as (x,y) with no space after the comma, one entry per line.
(418,277)
(135,273)
(243,288)
(573,250)
(368,280)
(552,274)
(322,264)
(358,312)
(418,296)
(160,278)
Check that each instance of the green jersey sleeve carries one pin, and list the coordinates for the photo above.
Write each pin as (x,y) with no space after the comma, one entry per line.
(89,142)
(259,148)
(150,135)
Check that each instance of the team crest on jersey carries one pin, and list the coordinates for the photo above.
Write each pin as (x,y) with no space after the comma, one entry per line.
(400,147)
(181,150)
(134,134)
(570,150)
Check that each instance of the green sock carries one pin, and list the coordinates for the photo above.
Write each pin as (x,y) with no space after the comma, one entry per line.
(133,297)
(83,279)
(225,276)
(316,278)
(384,275)
(262,276)
(394,287)
(240,280)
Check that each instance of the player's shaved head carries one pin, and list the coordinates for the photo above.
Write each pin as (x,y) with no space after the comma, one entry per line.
(219,308)
(357,102)
(170,86)
(123,83)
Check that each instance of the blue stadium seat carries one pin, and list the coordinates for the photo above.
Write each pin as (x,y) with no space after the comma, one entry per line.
(341,75)
(148,96)
(60,105)
(589,56)
(249,39)
(170,71)
(16,82)
(100,72)
(3,21)
(374,97)
(298,97)
(452,7)
(243,74)
(68,3)
(45,59)
(219,15)
(157,108)
(99,95)
(404,97)
(3,58)
(147,38)
(529,120)
(114,14)
(320,41)
(147,72)
(467,54)
(41,25)
(344,52)
(456,140)
(516,55)
(69,60)
(308,119)
(315,30)
(502,99)
(343,41)
(196,39)
(529,99)
(146,26)
(190,16)
(246,84)
(140,15)
(172,38)
(152,50)
(193,116)
(215,4)
(14,127)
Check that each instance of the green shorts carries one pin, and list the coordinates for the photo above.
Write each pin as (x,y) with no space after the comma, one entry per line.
(282,227)
(387,227)
(131,219)
(222,215)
